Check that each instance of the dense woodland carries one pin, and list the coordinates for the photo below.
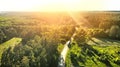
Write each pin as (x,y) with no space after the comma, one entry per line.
(39,40)
(43,33)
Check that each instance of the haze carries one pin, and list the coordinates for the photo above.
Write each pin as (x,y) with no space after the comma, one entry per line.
(59,5)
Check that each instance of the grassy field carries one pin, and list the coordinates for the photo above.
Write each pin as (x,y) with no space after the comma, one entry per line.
(94,55)
(11,43)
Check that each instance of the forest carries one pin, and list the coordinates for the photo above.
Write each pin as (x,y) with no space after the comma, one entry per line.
(35,39)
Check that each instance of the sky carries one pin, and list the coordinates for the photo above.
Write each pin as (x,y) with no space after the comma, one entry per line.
(59,5)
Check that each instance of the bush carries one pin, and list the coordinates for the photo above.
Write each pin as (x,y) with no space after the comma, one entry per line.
(80,36)
(114,31)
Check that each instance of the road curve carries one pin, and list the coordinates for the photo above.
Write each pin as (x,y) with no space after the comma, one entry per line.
(65,50)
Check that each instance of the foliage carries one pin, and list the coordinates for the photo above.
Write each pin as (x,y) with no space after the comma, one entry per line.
(95,56)
(60,48)
(100,33)
(34,53)
(41,39)
(80,36)
(43,36)
(11,43)
(114,32)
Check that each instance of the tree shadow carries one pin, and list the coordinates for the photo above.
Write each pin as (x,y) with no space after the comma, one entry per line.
(108,40)
(94,41)
(74,61)
(106,62)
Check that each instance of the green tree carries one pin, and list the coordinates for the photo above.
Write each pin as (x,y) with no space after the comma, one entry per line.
(2,36)
(114,31)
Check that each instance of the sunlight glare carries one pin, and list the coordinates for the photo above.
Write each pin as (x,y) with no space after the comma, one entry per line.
(58,5)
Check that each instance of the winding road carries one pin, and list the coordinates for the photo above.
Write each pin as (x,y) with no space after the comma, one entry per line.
(63,54)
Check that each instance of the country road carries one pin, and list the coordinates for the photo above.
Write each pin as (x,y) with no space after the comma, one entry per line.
(63,54)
